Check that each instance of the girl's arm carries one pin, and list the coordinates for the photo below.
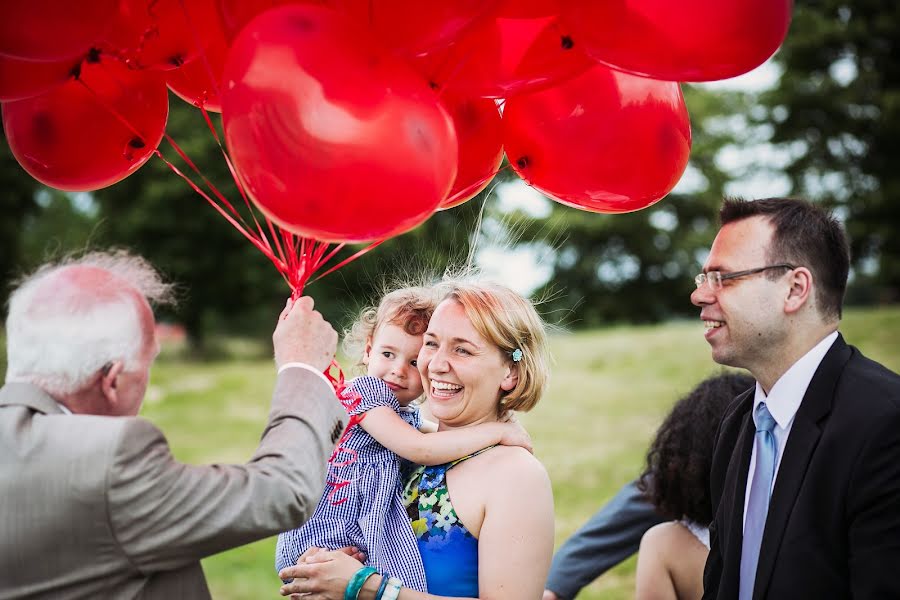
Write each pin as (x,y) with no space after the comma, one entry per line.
(395,434)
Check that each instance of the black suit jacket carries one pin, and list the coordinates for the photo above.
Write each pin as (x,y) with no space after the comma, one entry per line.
(833,528)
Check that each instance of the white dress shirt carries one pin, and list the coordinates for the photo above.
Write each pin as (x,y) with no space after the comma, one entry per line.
(783,402)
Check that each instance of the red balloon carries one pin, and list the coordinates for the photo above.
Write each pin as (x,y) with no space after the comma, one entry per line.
(605,141)
(414,27)
(234,14)
(24,78)
(518,49)
(335,138)
(690,40)
(162,34)
(479,130)
(200,81)
(52,29)
(91,132)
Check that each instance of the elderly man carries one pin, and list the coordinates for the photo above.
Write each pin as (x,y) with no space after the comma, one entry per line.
(806,472)
(93,503)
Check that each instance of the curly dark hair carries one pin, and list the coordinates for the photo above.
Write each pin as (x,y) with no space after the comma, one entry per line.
(676,478)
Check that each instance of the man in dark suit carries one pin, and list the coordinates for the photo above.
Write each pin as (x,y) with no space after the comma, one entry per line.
(94,505)
(806,472)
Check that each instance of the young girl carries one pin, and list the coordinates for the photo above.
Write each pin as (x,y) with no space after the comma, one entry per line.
(369,513)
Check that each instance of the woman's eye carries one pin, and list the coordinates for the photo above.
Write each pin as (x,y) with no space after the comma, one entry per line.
(463,351)
(431,344)
(387,354)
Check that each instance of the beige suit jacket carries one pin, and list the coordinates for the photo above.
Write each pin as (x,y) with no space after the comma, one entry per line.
(97,507)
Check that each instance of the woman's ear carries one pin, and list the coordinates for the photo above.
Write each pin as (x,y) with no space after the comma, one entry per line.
(511,380)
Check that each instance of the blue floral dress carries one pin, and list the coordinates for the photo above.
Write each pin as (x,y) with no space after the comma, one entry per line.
(449,551)
(373,517)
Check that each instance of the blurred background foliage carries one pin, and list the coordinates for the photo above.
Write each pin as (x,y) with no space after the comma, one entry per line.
(827,129)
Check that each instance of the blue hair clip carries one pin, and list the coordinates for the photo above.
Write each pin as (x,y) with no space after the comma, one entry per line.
(517,355)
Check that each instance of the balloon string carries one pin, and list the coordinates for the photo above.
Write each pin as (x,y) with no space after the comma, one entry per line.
(348,260)
(221,211)
(238,183)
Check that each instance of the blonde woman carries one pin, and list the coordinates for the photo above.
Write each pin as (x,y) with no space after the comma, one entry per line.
(484,522)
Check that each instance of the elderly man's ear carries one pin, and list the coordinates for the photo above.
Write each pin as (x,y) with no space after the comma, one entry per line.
(109,375)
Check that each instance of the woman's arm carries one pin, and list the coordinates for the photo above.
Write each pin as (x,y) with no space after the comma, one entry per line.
(515,543)
(395,434)
(653,581)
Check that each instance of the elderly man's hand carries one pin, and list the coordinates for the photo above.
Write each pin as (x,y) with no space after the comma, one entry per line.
(303,336)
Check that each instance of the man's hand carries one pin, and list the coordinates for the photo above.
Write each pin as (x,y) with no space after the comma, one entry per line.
(302,335)
(548,595)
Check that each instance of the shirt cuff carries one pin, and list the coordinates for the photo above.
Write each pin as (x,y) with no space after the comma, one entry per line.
(310,368)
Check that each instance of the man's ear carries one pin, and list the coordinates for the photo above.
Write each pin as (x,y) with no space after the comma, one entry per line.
(800,291)
(511,380)
(109,376)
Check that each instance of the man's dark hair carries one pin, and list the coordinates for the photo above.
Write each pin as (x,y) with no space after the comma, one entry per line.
(676,478)
(805,235)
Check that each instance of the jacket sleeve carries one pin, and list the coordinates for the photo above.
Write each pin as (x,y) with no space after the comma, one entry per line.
(873,513)
(165,514)
(609,537)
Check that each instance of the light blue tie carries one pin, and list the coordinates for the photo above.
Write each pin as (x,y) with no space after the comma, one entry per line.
(758,505)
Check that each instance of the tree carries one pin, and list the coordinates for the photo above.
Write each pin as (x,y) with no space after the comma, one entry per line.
(836,113)
(17,202)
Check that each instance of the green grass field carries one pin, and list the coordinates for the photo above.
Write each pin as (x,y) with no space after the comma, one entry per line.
(610,389)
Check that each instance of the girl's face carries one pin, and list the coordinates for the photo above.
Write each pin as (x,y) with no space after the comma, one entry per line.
(465,374)
(391,355)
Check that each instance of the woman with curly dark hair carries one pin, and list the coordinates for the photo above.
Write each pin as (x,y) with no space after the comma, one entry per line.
(676,481)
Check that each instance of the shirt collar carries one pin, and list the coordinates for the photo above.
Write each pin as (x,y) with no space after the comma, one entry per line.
(64,408)
(786,395)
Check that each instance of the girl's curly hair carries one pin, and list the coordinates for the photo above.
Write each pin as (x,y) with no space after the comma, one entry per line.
(676,478)
(408,307)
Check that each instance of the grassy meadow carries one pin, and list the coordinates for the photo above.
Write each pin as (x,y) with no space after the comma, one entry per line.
(610,389)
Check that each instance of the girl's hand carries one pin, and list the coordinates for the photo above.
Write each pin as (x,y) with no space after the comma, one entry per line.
(320,574)
(513,434)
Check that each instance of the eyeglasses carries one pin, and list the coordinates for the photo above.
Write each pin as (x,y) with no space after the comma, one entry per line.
(714,279)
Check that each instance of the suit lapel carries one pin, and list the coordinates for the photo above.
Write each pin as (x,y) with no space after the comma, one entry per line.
(801,444)
(736,488)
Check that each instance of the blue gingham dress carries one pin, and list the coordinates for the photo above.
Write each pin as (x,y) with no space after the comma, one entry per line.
(373,518)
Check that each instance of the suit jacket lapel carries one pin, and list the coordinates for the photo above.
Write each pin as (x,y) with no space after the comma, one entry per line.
(802,442)
(736,488)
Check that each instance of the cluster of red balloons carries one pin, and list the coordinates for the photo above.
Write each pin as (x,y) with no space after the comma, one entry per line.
(352,120)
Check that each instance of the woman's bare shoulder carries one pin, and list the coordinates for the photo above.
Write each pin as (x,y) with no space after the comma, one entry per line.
(670,536)
(515,466)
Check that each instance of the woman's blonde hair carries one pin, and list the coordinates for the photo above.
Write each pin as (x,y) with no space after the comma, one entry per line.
(506,319)
(408,307)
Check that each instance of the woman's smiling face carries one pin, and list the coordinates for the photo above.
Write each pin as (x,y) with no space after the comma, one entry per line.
(464,374)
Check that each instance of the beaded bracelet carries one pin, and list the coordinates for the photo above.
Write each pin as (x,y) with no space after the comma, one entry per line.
(393,589)
(384,582)
(357,581)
